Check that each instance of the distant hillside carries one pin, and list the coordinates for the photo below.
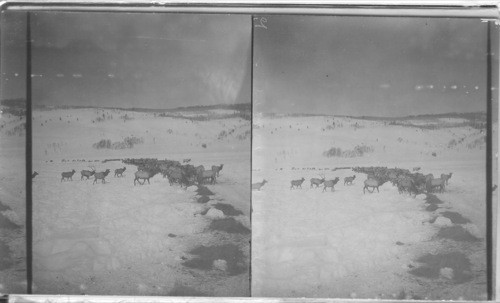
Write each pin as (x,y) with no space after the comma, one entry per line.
(238,107)
(476,116)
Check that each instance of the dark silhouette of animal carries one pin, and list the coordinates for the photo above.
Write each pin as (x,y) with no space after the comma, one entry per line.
(296,183)
(87,173)
(34,175)
(186,160)
(330,183)
(258,185)
(217,169)
(317,182)
(416,168)
(67,175)
(120,171)
(446,177)
(101,176)
(407,185)
(175,174)
(373,183)
(144,175)
(207,175)
(348,180)
(436,183)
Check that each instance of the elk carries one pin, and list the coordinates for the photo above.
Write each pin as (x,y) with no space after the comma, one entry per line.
(67,175)
(330,183)
(34,175)
(317,182)
(434,183)
(348,180)
(446,177)
(101,176)
(416,168)
(296,183)
(87,173)
(217,169)
(186,160)
(407,185)
(145,174)
(258,185)
(207,174)
(119,171)
(373,182)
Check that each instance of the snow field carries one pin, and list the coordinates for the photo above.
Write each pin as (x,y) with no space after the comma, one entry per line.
(343,244)
(117,238)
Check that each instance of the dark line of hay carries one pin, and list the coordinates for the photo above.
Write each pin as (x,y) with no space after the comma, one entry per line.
(203,199)
(228,209)
(6,223)
(455,217)
(206,255)
(229,225)
(433,263)
(432,199)
(204,191)
(432,207)
(457,233)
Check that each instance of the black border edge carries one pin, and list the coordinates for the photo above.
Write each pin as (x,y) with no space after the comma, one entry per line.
(29,164)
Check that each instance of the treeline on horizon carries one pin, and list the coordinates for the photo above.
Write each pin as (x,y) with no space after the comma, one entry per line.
(17,106)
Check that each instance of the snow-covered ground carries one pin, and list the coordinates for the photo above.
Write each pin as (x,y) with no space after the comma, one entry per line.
(306,242)
(120,239)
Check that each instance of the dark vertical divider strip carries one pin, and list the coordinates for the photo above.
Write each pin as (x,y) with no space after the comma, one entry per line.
(251,145)
(29,200)
(489,166)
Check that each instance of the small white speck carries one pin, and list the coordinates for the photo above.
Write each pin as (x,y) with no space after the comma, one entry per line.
(454,87)
(111,75)
(77,75)
(16,74)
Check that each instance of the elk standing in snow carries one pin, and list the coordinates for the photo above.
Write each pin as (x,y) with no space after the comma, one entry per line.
(87,173)
(101,176)
(296,183)
(348,180)
(34,175)
(217,169)
(258,185)
(372,182)
(317,182)
(120,171)
(67,175)
(446,177)
(330,183)
(145,174)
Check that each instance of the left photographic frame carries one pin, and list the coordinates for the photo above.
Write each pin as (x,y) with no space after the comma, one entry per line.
(140,140)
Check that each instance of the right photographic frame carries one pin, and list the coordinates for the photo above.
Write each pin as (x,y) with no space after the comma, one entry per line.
(374,157)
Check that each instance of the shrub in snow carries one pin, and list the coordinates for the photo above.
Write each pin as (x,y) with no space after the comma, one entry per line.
(357,151)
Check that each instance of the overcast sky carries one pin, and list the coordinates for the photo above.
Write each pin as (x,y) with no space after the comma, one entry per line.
(379,66)
(132,60)
(369,65)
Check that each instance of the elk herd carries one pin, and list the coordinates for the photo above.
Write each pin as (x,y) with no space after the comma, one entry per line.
(183,174)
(410,182)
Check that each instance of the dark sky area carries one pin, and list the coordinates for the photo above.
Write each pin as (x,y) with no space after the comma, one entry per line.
(130,60)
(369,65)
(376,66)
